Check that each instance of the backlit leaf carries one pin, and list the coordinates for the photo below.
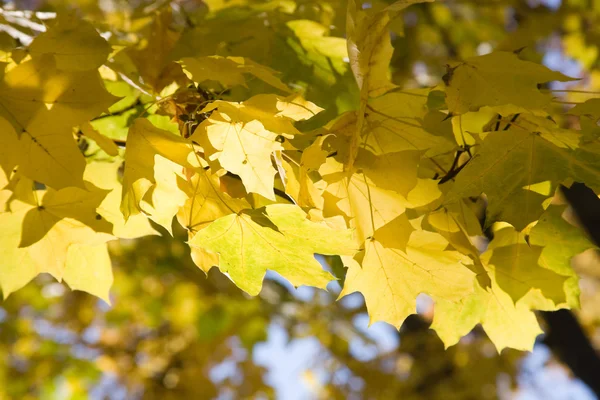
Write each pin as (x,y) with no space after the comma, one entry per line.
(495,79)
(278,238)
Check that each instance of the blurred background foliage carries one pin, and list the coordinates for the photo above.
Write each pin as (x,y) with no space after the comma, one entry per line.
(173,333)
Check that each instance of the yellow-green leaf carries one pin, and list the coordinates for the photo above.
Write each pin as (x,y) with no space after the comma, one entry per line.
(518,170)
(561,241)
(496,79)
(278,238)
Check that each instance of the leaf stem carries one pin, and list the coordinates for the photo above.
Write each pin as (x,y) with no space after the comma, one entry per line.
(570,91)
(566,102)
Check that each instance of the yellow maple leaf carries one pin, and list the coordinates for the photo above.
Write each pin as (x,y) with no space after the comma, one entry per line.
(105,175)
(365,206)
(43,104)
(300,181)
(230,71)
(163,200)
(73,43)
(206,201)
(41,226)
(88,268)
(370,52)
(374,192)
(144,142)
(391,278)
(519,283)
(496,79)
(102,141)
(243,136)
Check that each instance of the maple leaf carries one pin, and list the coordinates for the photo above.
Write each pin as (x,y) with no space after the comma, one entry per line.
(41,228)
(589,108)
(206,202)
(325,53)
(54,206)
(277,237)
(18,267)
(105,175)
(375,191)
(496,79)
(561,241)
(518,170)
(370,52)
(391,277)
(513,265)
(243,136)
(299,182)
(518,284)
(145,141)
(396,122)
(457,223)
(163,200)
(88,268)
(73,43)
(370,48)
(365,206)
(230,71)
(152,60)
(507,324)
(102,141)
(43,104)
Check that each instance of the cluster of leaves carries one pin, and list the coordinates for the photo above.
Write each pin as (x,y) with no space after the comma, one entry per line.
(171,334)
(100,137)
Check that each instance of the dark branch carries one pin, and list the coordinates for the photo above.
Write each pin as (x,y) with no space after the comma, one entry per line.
(564,335)
(568,341)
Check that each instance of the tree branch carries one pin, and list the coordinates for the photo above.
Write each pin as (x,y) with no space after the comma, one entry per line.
(565,336)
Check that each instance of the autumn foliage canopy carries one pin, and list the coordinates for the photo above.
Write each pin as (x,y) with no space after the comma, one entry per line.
(273,148)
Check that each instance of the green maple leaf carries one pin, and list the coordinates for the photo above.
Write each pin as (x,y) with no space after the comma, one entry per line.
(514,266)
(507,324)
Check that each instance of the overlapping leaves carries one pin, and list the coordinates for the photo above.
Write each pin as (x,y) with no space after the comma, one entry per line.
(392,187)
